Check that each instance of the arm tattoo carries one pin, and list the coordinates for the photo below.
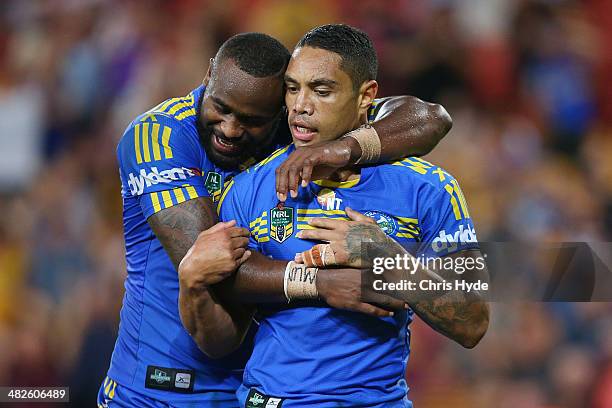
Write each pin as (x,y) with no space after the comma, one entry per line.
(460,315)
(178,227)
(358,234)
(456,314)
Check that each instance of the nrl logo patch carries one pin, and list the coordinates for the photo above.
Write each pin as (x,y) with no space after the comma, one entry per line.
(213,184)
(281,223)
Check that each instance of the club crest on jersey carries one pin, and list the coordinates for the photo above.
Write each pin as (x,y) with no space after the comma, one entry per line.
(386,222)
(213,184)
(281,223)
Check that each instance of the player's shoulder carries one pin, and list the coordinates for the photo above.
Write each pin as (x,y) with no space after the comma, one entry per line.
(265,168)
(420,173)
(158,133)
(375,108)
(258,178)
(170,116)
(178,109)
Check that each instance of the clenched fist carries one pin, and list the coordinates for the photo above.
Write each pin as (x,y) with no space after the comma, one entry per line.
(215,255)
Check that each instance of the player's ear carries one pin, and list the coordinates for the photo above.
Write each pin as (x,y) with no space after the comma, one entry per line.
(367,94)
(208,72)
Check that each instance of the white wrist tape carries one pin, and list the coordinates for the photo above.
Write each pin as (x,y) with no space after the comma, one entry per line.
(368,140)
(300,282)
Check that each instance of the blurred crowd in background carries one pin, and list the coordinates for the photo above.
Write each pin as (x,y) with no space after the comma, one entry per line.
(527,83)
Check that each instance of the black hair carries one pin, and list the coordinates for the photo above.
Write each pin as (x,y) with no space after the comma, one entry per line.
(354,46)
(257,54)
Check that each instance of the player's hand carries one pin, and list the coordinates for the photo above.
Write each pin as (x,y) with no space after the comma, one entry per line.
(342,289)
(215,255)
(344,239)
(308,163)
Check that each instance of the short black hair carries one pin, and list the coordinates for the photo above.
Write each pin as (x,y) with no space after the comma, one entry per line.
(354,46)
(257,54)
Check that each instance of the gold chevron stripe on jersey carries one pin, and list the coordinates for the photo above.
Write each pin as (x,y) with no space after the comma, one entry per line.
(155,142)
(462,203)
(137,144)
(186,114)
(408,227)
(166,142)
(449,189)
(186,102)
(171,107)
(224,194)
(306,214)
(259,228)
(168,198)
(146,141)
(274,155)
(414,163)
(178,194)
(191,192)
(372,111)
(155,202)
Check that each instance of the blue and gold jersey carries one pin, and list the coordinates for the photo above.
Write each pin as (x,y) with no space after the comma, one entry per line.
(162,164)
(323,357)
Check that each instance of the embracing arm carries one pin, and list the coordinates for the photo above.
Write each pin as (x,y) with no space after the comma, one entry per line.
(178,227)
(406,126)
(216,327)
(458,314)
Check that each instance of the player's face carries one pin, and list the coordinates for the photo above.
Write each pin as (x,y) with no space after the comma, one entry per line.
(320,98)
(239,114)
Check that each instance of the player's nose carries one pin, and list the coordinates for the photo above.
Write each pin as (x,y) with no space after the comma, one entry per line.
(231,129)
(302,104)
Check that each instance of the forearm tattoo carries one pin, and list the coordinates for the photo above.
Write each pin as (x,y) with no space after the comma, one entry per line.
(178,227)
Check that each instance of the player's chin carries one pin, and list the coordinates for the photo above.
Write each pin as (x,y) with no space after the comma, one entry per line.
(301,143)
(225,161)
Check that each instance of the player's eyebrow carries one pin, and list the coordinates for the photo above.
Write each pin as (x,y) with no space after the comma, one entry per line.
(315,82)
(323,81)
(238,114)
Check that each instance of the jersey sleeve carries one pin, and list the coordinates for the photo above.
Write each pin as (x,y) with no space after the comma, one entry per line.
(446,225)
(159,162)
(233,205)
(375,112)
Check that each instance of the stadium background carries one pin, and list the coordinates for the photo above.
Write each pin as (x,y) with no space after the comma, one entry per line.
(527,82)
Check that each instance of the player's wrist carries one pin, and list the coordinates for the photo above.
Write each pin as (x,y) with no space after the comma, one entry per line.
(368,142)
(300,282)
(352,148)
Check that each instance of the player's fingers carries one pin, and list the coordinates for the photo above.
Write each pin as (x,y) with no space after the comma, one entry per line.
(281,181)
(238,252)
(327,223)
(239,232)
(320,256)
(244,257)
(312,257)
(318,234)
(386,302)
(299,258)
(359,217)
(239,242)
(293,177)
(307,171)
(372,310)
